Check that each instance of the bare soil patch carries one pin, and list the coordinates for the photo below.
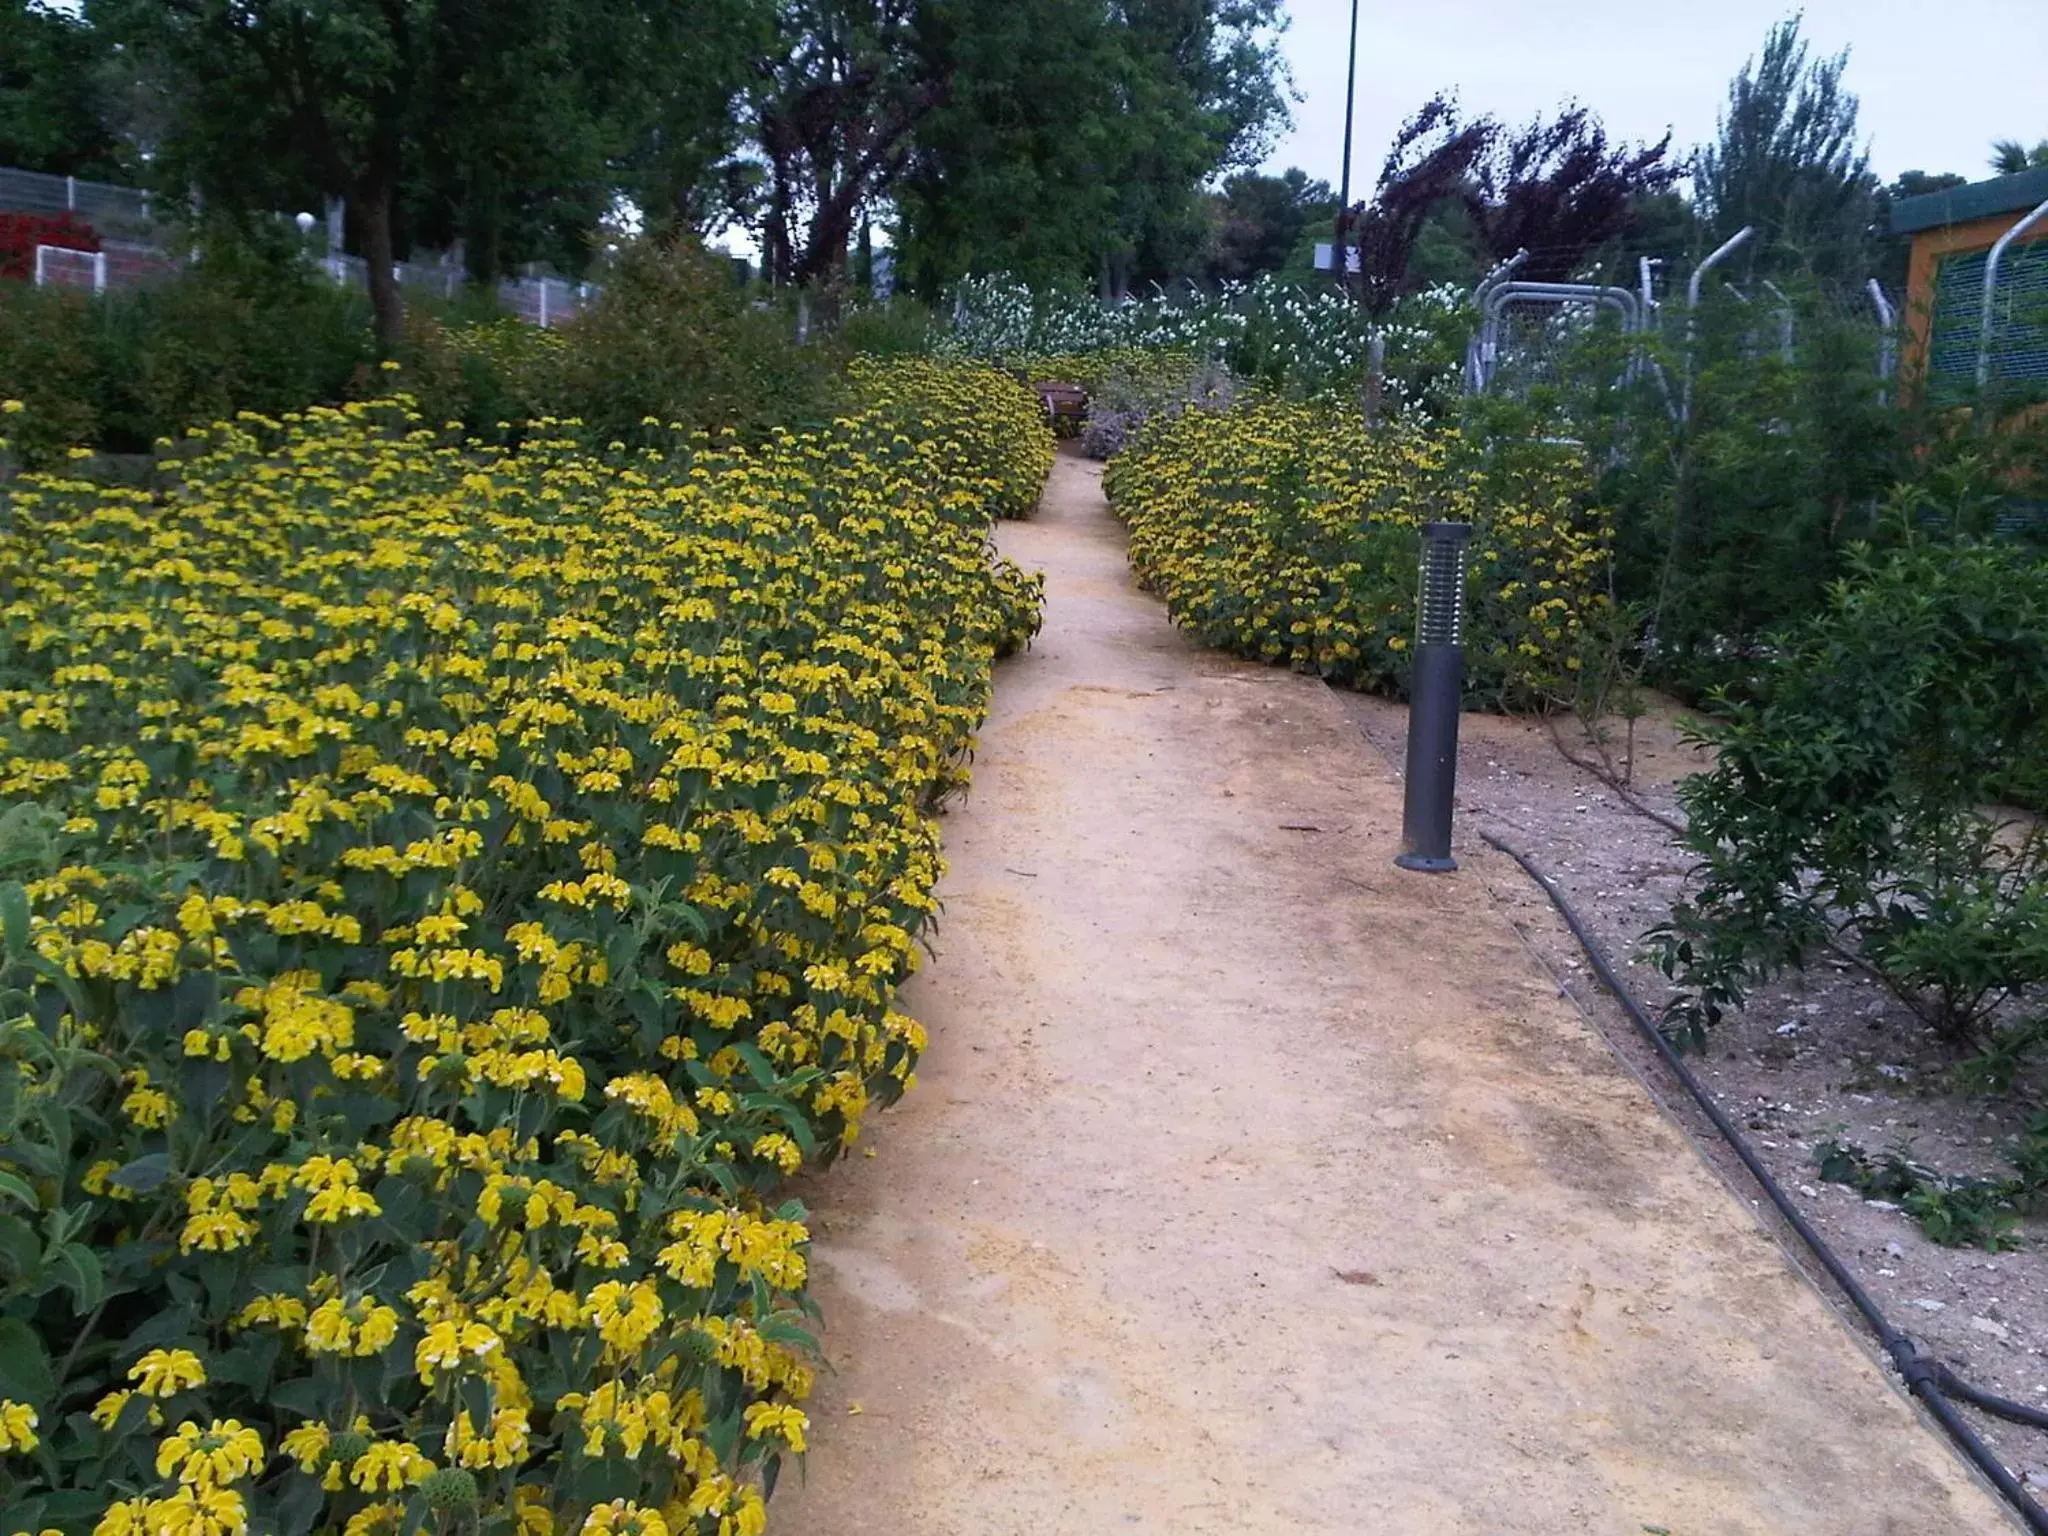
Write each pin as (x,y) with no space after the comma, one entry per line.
(1825,1054)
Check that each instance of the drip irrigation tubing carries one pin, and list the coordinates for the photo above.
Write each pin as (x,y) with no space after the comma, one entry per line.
(1928,1379)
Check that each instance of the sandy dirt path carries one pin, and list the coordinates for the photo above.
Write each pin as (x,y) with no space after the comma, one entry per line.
(1251,1185)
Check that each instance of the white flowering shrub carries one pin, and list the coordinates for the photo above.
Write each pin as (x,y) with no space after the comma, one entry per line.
(1307,341)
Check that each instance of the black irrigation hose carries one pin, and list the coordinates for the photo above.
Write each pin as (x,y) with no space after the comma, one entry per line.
(1990,1402)
(1928,1379)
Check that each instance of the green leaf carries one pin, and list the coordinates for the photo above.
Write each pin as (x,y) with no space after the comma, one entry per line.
(144,1174)
(25,1373)
(57,977)
(748,1052)
(476,1398)
(21,1249)
(14,918)
(304,1395)
(18,1188)
(170,1328)
(43,1162)
(77,1269)
(298,1505)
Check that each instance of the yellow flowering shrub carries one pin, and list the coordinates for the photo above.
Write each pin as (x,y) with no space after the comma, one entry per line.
(987,438)
(1287,532)
(1160,369)
(445,893)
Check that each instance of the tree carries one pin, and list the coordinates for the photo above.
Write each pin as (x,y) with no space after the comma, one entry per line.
(490,119)
(1256,222)
(1893,259)
(1787,162)
(272,100)
(1433,161)
(1557,191)
(1069,135)
(833,103)
(539,114)
(1918,183)
(1201,92)
(51,73)
(1007,173)
(2009,157)
(510,138)
(676,78)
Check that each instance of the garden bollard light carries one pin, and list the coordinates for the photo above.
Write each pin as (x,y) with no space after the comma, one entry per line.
(1433,701)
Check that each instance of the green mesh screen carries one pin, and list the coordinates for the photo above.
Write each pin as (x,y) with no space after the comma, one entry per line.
(2019,328)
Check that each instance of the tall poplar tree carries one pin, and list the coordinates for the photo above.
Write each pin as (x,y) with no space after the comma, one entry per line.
(1787,161)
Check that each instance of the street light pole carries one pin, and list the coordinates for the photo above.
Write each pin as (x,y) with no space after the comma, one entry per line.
(1342,263)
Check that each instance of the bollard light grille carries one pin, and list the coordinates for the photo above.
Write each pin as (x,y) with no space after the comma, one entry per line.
(1440,607)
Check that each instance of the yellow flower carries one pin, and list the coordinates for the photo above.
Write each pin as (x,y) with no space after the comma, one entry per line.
(17,1426)
(534,1516)
(148,1108)
(307,1445)
(379,1519)
(448,1345)
(224,1452)
(274,1311)
(504,1446)
(215,1232)
(162,1372)
(107,1411)
(625,1316)
(361,1328)
(444,721)
(125,1517)
(388,1466)
(783,1420)
(196,1510)
(619,1518)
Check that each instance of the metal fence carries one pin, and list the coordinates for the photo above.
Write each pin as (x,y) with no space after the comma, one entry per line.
(542,301)
(545,301)
(107,208)
(1533,334)
(125,262)
(116,264)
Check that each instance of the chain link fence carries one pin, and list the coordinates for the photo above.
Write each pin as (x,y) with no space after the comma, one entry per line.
(128,258)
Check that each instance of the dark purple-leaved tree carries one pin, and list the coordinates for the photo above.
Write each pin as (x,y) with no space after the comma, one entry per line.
(1557,189)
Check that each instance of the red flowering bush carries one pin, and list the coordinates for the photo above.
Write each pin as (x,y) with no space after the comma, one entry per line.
(21,233)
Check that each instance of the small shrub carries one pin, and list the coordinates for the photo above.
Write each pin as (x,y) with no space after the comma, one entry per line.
(673,339)
(900,327)
(982,429)
(1851,807)
(1134,387)
(247,327)
(49,368)
(1954,1212)
(493,376)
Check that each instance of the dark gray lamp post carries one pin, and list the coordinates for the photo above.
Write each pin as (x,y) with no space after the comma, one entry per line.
(1433,701)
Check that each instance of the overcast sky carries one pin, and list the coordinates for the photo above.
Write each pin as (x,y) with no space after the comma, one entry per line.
(1938,79)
